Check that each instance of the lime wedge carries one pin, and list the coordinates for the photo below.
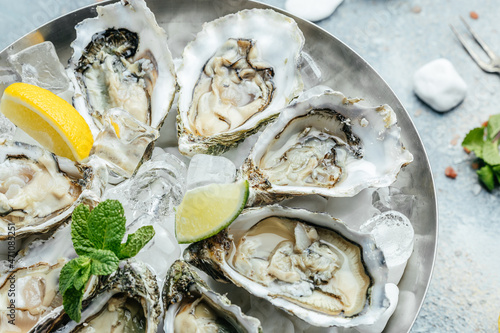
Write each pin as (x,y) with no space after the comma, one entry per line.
(206,210)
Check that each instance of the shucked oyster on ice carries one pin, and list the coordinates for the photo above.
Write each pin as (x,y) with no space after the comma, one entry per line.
(126,301)
(308,264)
(30,289)
(38,191)
(191,306)
(326,144)
(235,76)
(121,59)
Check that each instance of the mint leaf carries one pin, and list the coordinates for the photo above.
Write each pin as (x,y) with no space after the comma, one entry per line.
(474,141)
(104,262)
(70,272)
(487,177)
(136,241)
(72,302)
(97,237)
(493,126)
(496,171)
(107,222)
(491,155)
(82,276)
(80,230)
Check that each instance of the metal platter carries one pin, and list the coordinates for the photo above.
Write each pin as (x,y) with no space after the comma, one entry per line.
(340,68)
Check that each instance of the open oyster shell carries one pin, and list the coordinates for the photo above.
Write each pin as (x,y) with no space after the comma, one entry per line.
(32,281)
(121,59)
(129,297)
(38,190)
(189,302)
(325,144)
(236,75)
(308,264)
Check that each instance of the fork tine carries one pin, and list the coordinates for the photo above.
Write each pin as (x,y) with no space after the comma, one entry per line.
(484,65)
(478,39)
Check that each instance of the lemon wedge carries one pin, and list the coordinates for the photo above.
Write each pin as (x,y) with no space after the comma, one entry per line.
(206,210)
(48,119)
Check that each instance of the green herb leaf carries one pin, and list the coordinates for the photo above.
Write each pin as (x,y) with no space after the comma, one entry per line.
(80,230)
(104,262)
(107,222)
(82,276)
(487,177)
(71,271)
(136,241)
(493,126)
(97,237)
(491,155)
(72,302)
(474,141)
(496,171)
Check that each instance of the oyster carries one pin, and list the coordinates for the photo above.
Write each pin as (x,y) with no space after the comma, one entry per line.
(121,59)
(191,306)
(126,301)
(236,75)
(38,191)
(326,144)
(308,264)
(29,288)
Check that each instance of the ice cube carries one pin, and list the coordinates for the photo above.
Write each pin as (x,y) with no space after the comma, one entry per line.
(122,142)
(159,185)
(311,73)
(7,128)
(391,198)
(161,251)
(347,209)
(39,65)
(149,198)
(394,235)
(313,203)
(156,188)
(7,77)
(208,169)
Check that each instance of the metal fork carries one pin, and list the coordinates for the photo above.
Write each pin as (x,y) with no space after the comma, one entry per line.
(493,66)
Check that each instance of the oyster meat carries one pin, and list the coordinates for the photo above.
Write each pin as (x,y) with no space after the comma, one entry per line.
(121,60)
(29,289)
(37,288)
(38,190)
(126,301)
(235,76)
(326,144)
(308,264)
(191,306)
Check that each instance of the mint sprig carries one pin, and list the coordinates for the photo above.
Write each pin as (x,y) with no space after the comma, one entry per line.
(97,238)
(484,141)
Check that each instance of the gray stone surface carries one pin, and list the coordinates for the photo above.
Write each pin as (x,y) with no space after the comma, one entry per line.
(397,37)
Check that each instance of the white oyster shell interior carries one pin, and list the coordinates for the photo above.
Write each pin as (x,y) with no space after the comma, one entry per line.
(38,191)
(330,145)
(238,73)
(121,59)
(347,267)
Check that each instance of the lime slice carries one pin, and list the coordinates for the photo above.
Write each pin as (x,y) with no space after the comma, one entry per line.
(206,210)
